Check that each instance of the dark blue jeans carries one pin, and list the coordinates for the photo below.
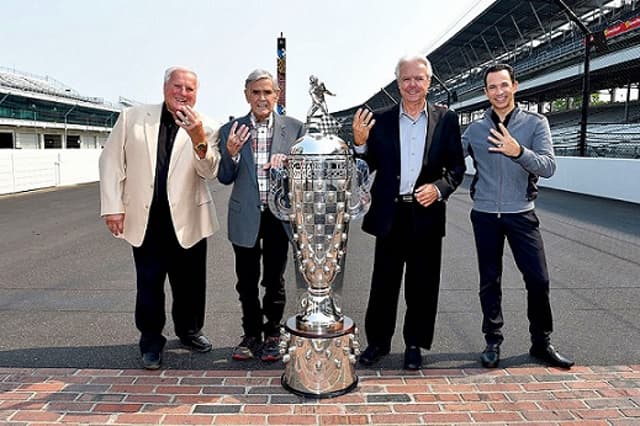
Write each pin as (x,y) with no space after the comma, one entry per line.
(522,231)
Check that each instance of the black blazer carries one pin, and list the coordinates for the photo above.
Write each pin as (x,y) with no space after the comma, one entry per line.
(442,164)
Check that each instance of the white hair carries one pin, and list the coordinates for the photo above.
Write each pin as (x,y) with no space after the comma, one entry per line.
(413,58)
(169,73)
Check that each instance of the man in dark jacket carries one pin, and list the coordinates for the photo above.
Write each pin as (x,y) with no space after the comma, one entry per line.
(415,150)
(510,149)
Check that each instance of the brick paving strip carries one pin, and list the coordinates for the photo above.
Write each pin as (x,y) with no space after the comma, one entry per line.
(582,395)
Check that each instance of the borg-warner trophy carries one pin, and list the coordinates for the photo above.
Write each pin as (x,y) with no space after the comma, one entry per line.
(319,191)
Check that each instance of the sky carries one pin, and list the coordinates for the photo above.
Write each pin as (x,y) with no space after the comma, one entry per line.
(113,48)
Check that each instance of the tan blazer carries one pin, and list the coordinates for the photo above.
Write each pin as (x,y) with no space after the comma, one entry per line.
(127,177)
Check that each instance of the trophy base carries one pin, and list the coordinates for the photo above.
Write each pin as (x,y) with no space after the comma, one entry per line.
(319,365)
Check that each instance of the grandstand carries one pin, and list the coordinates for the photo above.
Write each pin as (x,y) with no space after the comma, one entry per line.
(41,113)
(546,50)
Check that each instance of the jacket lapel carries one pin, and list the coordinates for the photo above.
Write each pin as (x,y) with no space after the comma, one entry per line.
(246,153)
(279,135)
(151,130)
(434,117)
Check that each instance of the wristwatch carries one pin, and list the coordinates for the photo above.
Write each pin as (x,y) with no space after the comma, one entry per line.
(202,146)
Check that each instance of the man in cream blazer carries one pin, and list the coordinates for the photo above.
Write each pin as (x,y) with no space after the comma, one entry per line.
(153,193)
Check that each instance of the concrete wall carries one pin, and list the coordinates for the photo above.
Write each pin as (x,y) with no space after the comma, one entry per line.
(615,178)
(26,169)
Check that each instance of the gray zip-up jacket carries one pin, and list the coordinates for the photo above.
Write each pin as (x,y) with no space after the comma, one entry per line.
(504,184)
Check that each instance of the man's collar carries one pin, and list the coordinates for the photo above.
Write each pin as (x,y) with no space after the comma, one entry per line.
(254,122)
(426,112)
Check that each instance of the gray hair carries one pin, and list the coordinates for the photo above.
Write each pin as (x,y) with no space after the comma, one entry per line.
(259,74)
(169,72)
(413,58)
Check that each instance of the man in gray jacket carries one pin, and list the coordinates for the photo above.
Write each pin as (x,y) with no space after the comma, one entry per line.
(510,148)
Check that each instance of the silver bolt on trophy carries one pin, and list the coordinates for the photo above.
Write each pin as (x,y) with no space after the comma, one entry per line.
(321,189)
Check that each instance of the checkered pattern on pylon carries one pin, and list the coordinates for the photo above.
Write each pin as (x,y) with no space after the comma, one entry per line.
(325,124)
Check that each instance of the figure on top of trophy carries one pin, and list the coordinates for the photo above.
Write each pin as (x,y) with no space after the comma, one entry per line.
(323,122)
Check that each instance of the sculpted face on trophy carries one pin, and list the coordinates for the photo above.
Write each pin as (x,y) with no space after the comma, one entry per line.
(319,192)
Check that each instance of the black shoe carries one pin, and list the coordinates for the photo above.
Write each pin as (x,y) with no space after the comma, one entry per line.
(248,348)
(271,349)
(491,355)
(550,355)
(372,354)
(412,358)
(151,360)
(197,343)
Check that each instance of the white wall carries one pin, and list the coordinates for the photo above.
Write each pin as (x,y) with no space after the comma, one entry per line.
(616,178)
(26,169)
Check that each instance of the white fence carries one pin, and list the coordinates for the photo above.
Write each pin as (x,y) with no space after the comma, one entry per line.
(26,169)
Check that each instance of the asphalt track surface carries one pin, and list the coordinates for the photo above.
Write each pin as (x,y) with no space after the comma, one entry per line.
(67,287)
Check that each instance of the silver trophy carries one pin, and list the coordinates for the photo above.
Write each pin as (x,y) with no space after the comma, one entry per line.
(321,189)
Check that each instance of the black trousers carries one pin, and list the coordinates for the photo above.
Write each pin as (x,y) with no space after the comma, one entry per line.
(159,256)
(420,259)
(272,246)
(522,231)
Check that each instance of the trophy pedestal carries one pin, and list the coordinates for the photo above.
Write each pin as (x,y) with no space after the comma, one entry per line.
(319,364)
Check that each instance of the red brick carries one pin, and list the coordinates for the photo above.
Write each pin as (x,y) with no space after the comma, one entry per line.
(153,380)
(138,419)
(543,386)
(591,414)
(407,389)
(124,380)
(86,418)
(323,409)
(416,408)
(42,387)
(344,420)
(167,409)
(486,396)
(428,397)
(22,405)
(247,381)
(469,406)
(496,417)
(291,420)
(499,387)
(395,419)
(197,399)
(591,384)
(226,373)
(382,381)
(576,394)
(371,389)
(192,419)
(179,390)
(183,373)
(132,388)
(445,372)
(448,418)
(631,412)
(265,373)
(267,409)
(514,406)
(67,406)
(567,404)
(368,408)
(117,408)
(16,396)
(462,388)
(149,399)
(530,396)
(239,419)
(35,416)
(99,372)
(547,416)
